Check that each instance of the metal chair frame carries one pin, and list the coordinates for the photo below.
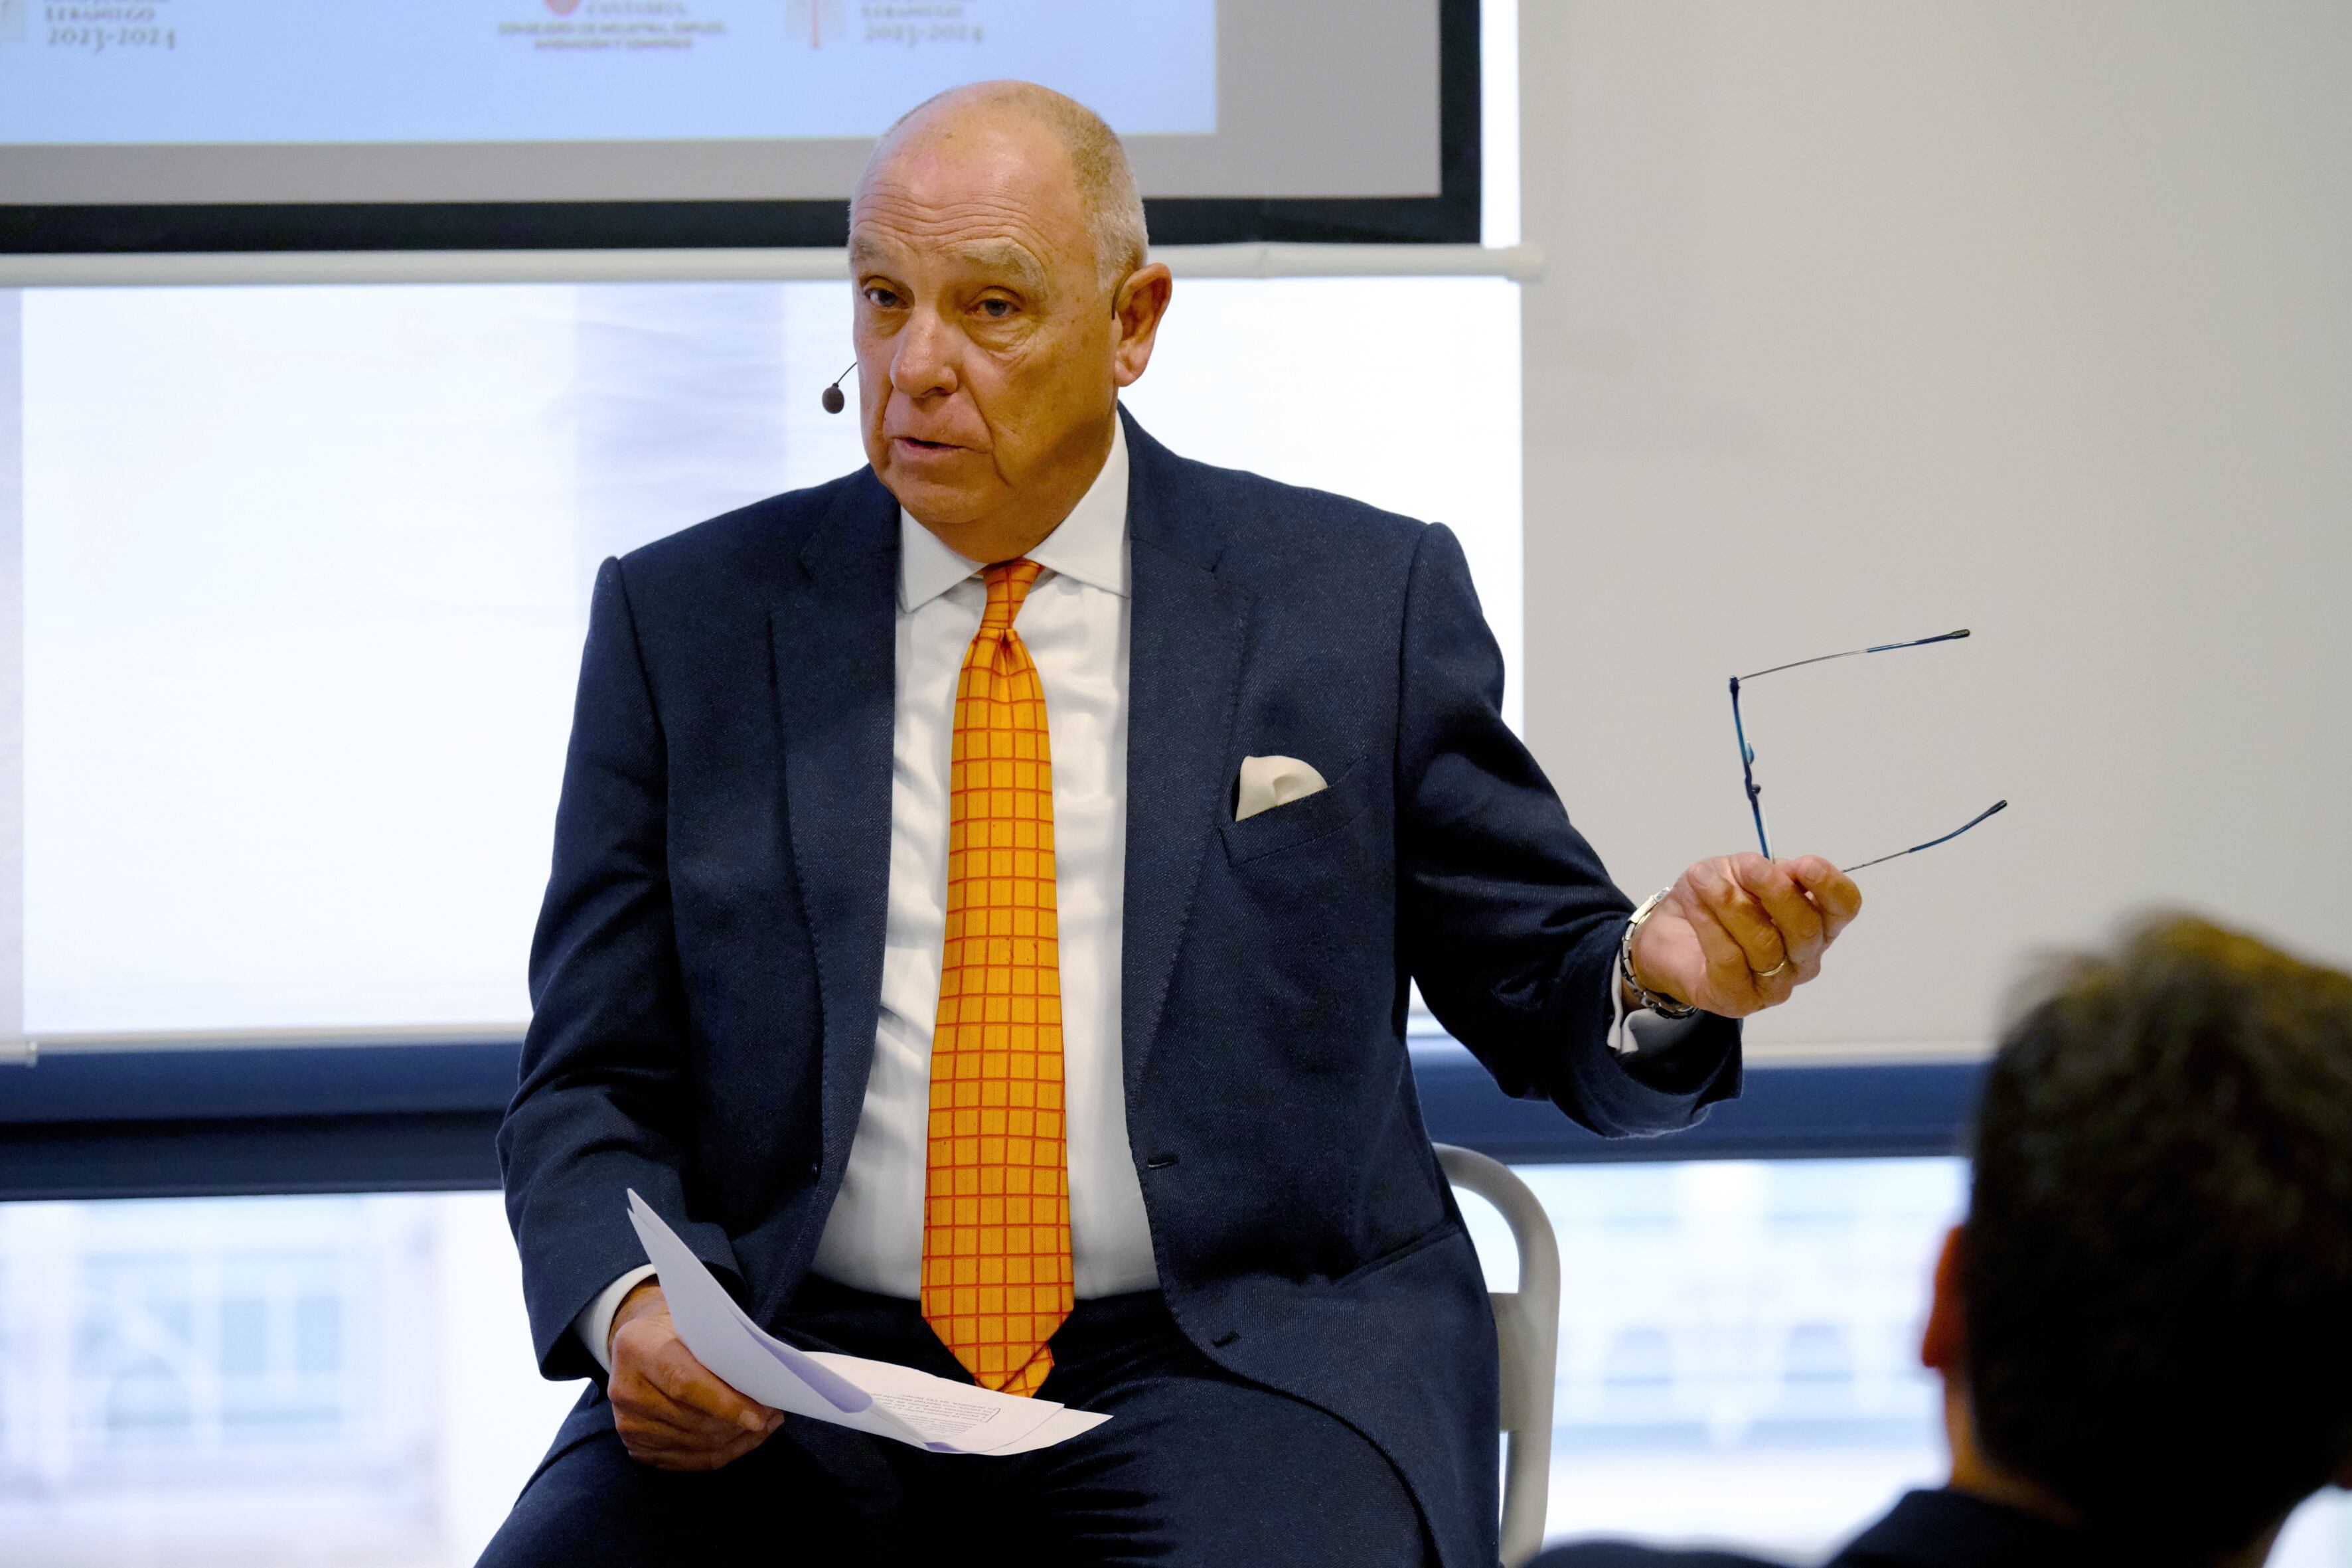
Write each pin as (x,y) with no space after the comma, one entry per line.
(1527,1329)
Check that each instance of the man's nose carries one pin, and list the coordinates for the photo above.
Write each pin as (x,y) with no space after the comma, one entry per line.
(924,366)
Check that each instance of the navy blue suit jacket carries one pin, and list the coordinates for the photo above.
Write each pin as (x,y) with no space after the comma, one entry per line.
(708,965)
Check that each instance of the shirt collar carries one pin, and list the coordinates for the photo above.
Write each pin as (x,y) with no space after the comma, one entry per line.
(1090,544)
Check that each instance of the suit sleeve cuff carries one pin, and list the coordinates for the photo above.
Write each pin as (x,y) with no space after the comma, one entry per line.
(594,1324)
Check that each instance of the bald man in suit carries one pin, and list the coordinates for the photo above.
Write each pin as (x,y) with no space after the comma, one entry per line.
(985,893)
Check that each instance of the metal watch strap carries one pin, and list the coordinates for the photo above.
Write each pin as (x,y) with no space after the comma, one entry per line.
(1664,1007)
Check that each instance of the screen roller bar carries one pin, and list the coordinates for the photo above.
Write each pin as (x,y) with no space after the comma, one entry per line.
(1520,263)
(25,1051)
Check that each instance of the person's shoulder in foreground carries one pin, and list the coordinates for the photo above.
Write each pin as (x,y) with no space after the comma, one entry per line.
(1634,1554)
(1943,1528)
(2140,1325)
(1926,1530)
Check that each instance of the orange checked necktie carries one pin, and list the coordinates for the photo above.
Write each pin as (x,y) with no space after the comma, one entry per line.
(996,1202)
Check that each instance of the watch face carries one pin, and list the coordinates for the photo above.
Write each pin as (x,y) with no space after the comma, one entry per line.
(1649,1000)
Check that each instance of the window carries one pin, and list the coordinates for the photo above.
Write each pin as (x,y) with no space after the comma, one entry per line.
(263,1380)
(1738,1351)
(275,1381)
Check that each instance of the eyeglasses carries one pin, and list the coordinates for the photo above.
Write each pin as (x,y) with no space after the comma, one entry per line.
(1748,753)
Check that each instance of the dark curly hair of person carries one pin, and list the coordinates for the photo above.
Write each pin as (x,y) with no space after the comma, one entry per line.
(2156,1265)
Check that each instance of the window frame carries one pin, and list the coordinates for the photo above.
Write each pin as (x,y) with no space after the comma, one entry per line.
(269,1119)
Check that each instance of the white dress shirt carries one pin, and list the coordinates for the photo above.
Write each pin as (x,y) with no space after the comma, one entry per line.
(1076,623)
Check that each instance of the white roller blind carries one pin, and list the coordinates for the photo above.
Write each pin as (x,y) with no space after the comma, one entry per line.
(304,574)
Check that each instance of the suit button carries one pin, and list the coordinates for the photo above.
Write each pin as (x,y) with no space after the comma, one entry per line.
(1159,1162)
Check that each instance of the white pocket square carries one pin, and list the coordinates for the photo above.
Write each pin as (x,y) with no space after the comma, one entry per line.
(1269,782)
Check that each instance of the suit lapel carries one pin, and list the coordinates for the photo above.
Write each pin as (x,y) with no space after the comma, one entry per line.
(1188,630)
(834,638)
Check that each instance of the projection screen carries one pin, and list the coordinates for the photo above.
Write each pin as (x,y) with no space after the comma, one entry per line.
(199,124)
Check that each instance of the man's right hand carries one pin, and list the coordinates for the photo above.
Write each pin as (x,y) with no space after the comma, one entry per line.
(672,1411)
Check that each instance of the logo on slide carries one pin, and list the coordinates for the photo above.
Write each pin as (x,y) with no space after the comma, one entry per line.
(564,7)
(814,23)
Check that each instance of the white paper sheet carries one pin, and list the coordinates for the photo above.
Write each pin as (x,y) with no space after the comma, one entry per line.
(887,1400)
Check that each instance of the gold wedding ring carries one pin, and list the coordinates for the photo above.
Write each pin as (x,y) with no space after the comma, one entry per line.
(1768,973)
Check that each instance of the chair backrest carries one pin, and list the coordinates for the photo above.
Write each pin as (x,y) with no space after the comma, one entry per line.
(1527,1325)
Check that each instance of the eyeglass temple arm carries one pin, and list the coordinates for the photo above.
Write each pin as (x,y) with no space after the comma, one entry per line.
(1747,754)
(1856,653)
(1997,805)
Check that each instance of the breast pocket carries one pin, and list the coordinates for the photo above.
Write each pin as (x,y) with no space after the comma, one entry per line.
(1300,821)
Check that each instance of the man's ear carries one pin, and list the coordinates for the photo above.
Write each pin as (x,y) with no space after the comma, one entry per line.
(1137,310)
(1943,1343)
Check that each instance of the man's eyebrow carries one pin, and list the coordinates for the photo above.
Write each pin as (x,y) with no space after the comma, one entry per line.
(1009,260)
(1002,258)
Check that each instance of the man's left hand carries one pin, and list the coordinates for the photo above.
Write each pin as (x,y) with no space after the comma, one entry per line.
(1739,933)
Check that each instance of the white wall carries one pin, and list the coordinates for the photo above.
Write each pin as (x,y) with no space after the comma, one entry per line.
(1866,322)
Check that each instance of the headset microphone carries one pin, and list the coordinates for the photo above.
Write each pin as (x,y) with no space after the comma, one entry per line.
(831,398)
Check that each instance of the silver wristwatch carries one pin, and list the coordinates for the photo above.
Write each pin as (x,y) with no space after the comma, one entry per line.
(1664,1007)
